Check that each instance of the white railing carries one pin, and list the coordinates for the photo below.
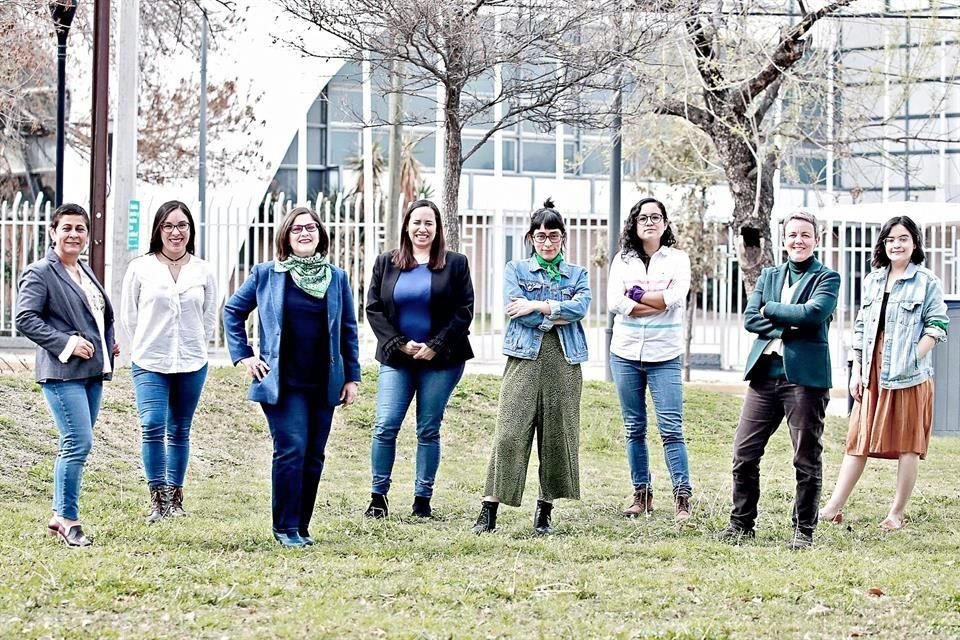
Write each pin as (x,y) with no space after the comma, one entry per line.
(241,235)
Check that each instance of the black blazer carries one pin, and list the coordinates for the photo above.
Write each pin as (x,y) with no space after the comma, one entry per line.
(50,309)
(451,312)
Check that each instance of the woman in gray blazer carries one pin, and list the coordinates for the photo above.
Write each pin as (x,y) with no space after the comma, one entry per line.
(64,309)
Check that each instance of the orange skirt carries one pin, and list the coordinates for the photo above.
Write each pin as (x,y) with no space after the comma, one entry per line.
(888,422)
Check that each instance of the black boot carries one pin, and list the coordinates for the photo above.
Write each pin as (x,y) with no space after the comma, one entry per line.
(377,508)
(487,520)
(541,518)
(421,507)
(159,504)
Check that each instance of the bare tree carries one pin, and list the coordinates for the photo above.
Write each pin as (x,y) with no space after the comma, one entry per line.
(738,77)
(492,62)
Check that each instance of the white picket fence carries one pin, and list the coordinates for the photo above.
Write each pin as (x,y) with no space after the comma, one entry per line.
(239,235)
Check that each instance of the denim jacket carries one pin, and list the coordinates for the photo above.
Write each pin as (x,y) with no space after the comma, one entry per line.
(569,300)
(915,309)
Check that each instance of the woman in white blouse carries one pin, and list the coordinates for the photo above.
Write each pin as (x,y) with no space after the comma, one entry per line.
(169,308)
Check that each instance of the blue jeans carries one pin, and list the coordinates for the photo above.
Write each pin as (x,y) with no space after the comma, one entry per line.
(166,402)
(632,378)
(395,391)
(74,405)
(300,426)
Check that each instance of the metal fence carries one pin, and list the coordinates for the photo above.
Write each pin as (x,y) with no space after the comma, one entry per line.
(239,235)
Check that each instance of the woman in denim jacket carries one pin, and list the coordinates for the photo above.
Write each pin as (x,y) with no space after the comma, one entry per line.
(545,298)
(902,317)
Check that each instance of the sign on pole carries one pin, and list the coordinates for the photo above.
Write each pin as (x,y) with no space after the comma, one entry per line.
(133,225)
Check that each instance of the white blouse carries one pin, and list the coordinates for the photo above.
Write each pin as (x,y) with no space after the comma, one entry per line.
(170,321)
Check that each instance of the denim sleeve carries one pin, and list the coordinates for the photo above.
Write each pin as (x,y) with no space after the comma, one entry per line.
(574,309)
(934,315)
(235,313)
(511,290)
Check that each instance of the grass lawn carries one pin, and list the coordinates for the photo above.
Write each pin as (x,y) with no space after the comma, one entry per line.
(219,573)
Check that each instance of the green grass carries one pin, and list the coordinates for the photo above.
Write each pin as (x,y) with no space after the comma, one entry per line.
(219,574)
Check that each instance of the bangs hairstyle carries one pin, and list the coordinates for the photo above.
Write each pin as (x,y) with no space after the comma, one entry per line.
(805,217)
(630,242)
(281,242)
(548,217)
(403,255)
(68,209)
(880,258)
(156,243)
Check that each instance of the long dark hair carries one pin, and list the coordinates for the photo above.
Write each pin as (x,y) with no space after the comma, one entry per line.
(281,242)
(403,256)
(156,243)
(546,216)
(880,258)
(629,240)
(68,209)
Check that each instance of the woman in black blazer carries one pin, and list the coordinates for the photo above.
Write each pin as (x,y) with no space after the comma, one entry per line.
(420,306)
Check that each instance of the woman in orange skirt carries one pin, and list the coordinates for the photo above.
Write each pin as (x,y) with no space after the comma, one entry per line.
(902,317)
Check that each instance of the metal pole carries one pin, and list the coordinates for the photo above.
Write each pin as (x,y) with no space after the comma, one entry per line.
(202,173)
(99,125)
(62,12)
(613,220)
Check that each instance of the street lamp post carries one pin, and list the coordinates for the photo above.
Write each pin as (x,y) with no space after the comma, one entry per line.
(62,12)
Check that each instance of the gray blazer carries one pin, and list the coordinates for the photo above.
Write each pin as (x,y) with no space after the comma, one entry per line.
(51,307)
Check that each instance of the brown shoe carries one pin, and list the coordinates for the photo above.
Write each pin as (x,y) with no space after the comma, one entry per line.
(642,502)
(159,504)
(175,495)
(682,509)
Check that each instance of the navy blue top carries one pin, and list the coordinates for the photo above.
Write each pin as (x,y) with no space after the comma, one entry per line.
(304,339)
(412,299)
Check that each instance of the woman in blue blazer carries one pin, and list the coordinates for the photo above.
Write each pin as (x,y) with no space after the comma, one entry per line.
(309,361)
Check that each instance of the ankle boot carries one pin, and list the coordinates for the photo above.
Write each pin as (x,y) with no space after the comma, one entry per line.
(421,507)
(377,508)
(487,520)
(642,502)
(159,504)
(175,510)
(542,520)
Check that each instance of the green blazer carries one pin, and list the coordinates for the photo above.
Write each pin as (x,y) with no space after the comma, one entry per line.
(802,324)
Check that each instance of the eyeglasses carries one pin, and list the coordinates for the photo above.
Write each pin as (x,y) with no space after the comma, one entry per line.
(901,239)
(166,227)
(297,229)
(654,218)
(554,237)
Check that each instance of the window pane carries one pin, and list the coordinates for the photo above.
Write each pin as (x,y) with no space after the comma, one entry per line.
(291,156)
(426,151)
(317,113)
(315,146)
(482,157)
(316,184)
(343,145)
(286,182)
(509,155)
(539,156)
(346,106)
(570,159)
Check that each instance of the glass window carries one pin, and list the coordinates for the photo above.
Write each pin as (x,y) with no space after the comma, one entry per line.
(570,160)
(316,184)
(509,155)
(316,146)
(420,108)
(426,151)
(593,163)
(286,182)
(291,156)
(343,145)
(482,158)
(318,110)
(346,106)
(539,156)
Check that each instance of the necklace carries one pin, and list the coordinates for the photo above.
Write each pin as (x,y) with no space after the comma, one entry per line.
(173,259)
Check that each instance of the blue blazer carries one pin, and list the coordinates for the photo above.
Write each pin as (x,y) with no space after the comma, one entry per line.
(51,307)
(263,290)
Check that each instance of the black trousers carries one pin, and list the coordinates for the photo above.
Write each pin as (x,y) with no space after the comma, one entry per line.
(765,406)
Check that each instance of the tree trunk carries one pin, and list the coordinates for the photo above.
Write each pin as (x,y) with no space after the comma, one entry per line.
(751,209)
(392,226)
(452,167)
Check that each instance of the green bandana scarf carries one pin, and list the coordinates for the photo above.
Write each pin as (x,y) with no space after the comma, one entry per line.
(552,267)
(312,274)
